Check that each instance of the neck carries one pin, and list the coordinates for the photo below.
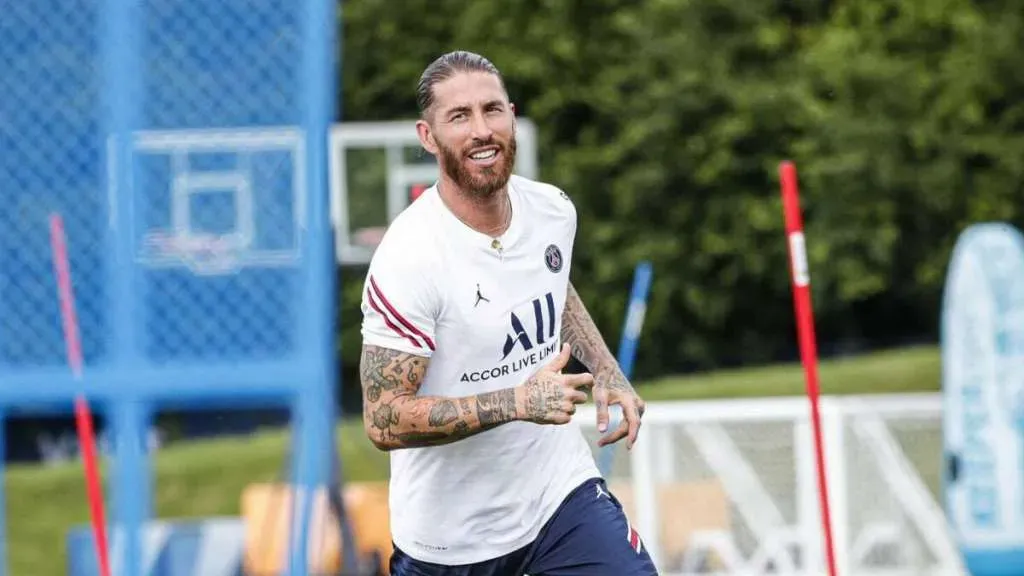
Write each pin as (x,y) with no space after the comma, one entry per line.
(489,215)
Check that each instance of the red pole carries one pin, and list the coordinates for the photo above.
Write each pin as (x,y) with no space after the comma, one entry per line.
(83,417)
(801,281)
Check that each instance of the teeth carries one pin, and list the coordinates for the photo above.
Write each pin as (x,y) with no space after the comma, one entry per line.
(484,155)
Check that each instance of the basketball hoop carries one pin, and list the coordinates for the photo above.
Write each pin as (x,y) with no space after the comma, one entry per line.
(203,254)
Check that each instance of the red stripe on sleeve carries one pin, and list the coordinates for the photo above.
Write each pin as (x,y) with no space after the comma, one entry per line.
(389,323)
(403,321)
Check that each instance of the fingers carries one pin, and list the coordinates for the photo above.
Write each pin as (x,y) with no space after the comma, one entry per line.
(561,419)
(563,414)
(577,381)
(562,360)
(601,404)
(629,427)
(567,406)
(632,415)
(575,386)
(577,397)
(616,435)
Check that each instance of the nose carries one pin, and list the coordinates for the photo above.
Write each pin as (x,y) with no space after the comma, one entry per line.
(479,128)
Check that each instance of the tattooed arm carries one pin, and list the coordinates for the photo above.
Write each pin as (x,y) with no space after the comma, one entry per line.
(610,384)
(395,417)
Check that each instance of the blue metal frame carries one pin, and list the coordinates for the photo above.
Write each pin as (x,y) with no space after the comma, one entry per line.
(120,381)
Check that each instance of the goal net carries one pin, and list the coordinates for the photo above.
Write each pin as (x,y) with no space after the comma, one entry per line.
(730,487)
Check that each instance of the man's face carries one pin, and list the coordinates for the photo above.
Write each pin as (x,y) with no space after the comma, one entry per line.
(473,132)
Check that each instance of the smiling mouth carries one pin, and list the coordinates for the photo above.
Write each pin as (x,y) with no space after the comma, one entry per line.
(484,156)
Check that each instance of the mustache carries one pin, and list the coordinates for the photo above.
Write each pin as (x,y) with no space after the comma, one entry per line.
(478,143)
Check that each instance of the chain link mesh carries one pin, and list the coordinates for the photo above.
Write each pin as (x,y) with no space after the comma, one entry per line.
(174,140)
(205,264)
(49,157)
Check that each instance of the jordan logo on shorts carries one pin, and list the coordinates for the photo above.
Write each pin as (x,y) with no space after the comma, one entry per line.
(601,492)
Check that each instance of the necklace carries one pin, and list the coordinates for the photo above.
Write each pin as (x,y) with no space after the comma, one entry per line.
(495,241)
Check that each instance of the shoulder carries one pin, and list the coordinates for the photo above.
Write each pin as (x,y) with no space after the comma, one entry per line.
(546,198)
(400,300)
(408,257)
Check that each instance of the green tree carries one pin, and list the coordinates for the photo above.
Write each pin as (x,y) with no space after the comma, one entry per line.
(666,122)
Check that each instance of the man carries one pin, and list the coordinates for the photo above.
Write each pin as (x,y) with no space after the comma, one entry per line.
(465,302)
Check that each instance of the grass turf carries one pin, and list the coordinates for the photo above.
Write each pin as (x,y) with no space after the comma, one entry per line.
(206,478)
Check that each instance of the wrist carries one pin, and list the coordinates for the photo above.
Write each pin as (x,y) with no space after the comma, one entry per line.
(606,373)
(521,396)
(610,376)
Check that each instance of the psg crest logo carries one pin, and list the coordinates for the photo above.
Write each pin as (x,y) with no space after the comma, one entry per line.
(553,258)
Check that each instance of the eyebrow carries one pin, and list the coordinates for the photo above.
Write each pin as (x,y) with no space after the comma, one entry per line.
(466,108)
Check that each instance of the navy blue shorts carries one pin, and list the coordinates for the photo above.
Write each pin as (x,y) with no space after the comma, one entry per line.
(589,535)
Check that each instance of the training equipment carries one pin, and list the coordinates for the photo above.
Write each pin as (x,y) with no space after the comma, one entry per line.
(800,279)
(185,147)
(982,359)
(730,486)
(83,413)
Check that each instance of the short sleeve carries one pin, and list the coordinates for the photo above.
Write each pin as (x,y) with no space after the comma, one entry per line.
(399,306)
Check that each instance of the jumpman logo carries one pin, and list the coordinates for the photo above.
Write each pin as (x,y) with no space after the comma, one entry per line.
(601,492)
(479,297)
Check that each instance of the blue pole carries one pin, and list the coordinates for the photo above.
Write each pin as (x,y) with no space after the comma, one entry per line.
(631,329)
(132,494)
(314,409)
(129,486)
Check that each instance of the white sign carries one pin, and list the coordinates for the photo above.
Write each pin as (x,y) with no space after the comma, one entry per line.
(982,356)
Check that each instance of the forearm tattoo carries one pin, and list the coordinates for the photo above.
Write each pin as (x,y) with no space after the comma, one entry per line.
(494,408)
(395,417)
(587,345)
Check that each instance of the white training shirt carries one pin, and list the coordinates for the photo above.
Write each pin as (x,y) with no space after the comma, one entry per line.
(490,494)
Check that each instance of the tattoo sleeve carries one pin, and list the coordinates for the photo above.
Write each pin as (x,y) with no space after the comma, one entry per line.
(587,345)
(396,417)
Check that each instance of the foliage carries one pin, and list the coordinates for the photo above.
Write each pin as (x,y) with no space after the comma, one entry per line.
(666,120)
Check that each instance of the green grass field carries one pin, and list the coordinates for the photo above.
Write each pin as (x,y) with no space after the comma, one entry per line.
(207,478)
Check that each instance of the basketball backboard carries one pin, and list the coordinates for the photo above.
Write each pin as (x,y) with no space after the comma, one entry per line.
(377,168)
(216,201)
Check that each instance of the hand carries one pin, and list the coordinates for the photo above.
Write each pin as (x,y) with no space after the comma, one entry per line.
(615,389)
(550,397)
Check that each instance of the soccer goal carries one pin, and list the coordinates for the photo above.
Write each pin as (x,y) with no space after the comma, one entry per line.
(730,487)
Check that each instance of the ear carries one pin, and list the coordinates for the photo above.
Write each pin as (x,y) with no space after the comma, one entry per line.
(426,135)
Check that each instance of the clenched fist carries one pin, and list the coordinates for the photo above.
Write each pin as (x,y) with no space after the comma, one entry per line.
(550,397)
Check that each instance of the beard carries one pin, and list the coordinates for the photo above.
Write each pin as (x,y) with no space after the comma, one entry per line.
(479,182)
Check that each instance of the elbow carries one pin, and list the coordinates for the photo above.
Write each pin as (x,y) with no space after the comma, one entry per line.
(381,444)
(377,437)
